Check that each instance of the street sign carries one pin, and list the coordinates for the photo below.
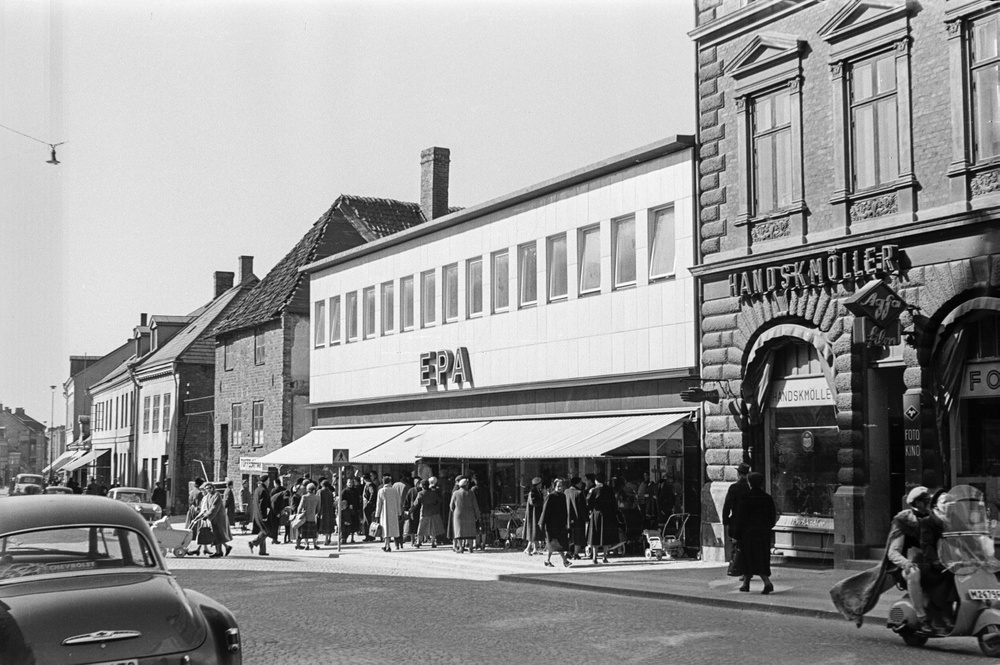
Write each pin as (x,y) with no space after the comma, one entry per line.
(341,456)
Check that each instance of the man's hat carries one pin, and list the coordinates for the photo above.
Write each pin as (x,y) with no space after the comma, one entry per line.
(743,469)
(916,494)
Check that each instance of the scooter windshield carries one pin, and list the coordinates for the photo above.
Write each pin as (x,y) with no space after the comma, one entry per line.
(966,542)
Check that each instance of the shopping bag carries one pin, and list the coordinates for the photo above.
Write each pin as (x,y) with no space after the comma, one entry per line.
(205,534)
(736,565)
(375,530)
(298,520)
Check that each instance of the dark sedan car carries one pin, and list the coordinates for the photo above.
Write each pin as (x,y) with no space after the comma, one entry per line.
(82,581)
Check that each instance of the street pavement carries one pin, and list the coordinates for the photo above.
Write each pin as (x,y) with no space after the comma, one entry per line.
(797,590)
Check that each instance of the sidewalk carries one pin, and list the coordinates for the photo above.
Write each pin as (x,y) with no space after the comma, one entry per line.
(797,590)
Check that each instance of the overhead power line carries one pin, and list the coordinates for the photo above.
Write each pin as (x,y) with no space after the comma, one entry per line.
(53,146)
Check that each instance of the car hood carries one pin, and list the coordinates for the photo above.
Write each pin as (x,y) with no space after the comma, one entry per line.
(45,613)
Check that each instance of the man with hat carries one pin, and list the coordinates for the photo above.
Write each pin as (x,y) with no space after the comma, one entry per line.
(730,507)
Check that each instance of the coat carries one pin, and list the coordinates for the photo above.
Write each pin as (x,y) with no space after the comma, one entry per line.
(578,516)
(229,501)
(429,504)
(753,526)
(554,522)
(732,502)
(327,511)
(603,517)
(213,510)
(464,514)
(532,511)
(387,510)
(260,509)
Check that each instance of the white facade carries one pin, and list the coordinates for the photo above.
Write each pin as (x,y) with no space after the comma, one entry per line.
(155,417)
(647,326)
(111,415)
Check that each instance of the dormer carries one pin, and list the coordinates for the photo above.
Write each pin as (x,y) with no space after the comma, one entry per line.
(163,328)
(141,335)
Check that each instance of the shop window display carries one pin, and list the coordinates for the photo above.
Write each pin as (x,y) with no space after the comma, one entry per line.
(803,460)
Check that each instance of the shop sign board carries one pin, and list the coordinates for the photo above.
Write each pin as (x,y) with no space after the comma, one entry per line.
(981,380)
(834,267)
(877,302)
(873,335)
(805,391)
(911,434)
(805,522)
(251,465)
(439,367)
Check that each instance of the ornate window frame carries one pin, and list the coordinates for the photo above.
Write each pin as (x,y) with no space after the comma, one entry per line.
(770,62)
(859,30)
(969,179)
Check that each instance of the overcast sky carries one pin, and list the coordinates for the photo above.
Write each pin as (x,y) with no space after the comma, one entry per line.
(201,131)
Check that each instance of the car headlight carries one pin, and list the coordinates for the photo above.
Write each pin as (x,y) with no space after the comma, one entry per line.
(138,509)
(157,511)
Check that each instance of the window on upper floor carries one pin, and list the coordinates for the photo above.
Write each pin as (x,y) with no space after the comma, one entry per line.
(874,122)
(351,316)
(258,423)
(527,274)
(258,346)
(474,287)
(449,293)
(335,320)
(772,151)
(406,316)
(500,276)
(388,307)
(368,298)
(590,259)
(319,323)
(428,299)
(236,425)
(623,231)
(156,413)
(145,414)
(662,245)
(166,412)
(555,266)
(984,63)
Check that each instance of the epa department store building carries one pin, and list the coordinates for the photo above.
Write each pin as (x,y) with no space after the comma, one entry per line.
(849,195)
(546,333)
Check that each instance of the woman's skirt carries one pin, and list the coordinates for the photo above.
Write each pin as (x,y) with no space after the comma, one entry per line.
(430,526)
(557,541)
(308,530)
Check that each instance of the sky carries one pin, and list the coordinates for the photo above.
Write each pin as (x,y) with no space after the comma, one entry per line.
(197,132)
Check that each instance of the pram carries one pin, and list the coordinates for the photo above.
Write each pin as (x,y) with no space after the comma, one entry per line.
(509,522)
(669,541)
(630,530)
(242,518)
(175,540)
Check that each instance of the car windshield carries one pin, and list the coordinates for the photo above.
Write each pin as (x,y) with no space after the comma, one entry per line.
(69,550)
(131,497)
(26,478)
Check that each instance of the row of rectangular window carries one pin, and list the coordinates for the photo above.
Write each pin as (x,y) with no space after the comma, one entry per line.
(112,413)
(152,421)
(662,252)
(236,425)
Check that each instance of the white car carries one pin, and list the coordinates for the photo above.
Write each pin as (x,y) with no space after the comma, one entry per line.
(27,483)
(138,498)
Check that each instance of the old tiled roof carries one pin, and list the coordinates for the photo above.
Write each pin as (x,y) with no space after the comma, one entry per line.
(350,221)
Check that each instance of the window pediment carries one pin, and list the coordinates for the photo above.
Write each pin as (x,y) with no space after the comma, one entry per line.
(863,15)
(764,52)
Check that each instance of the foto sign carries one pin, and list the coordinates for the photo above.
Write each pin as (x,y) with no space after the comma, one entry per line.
(981,380)
(341,456)
(438,367)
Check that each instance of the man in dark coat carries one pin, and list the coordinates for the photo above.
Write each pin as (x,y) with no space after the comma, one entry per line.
(350,512)
(603,508)
(160,495)
(753,526)
(260,512)
(482,494)
(729,508)
(576,505)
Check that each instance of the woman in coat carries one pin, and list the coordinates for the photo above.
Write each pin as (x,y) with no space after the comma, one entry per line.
(309,510)
(194,507)
(603,508)
(532,510)
(429,503)
(387,508)
(411,514)
(464,517)
(213,510)
(579,516)
(352,508)
(327,510)
(369,499)
(554,522)
(752,526)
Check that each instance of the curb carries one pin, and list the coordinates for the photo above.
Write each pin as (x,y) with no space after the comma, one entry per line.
(684,598)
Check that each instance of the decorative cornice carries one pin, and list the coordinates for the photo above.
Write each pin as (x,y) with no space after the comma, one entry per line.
(872,13)
(745,19)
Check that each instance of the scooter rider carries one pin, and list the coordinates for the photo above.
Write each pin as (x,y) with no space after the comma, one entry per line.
(904,547)
(938,583)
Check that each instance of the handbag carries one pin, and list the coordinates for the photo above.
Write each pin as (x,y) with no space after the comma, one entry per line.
(205,534)
(736,565)
(298,520)
(375,530)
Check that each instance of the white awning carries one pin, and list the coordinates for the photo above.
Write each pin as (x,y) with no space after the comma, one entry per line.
(408,446)
(318,445)
(59,461)
(83,460)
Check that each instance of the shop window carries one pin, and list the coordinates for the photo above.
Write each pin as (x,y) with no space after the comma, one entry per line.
(428,295)
(976,420)
(984,62)
(474,287)
(527,274)
(623,231)
(388,306)
(406,303)
(556,267)
(236,425)
(335,320)
(368,298)
(449,292)
(351,316)
(501,281)
(590,260)
(319,322)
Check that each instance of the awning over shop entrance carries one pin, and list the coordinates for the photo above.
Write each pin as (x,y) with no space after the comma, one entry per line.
(318,445)
(60,461)
(84,459)
(408,446)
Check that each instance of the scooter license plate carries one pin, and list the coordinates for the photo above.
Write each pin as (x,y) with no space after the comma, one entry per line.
(984,594)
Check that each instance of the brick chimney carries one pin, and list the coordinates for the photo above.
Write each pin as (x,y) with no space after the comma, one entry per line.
(223,282)
(246,268)
(434,182)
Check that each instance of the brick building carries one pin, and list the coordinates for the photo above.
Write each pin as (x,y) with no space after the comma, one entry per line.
(22,443)
(262,387)
(849,153)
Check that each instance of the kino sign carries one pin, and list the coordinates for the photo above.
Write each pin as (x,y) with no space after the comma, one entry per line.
(438,367)
(834,268)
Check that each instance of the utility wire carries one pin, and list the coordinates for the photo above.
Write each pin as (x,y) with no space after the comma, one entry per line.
(53,160)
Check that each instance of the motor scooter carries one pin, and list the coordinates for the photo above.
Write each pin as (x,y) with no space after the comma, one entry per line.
(965,549)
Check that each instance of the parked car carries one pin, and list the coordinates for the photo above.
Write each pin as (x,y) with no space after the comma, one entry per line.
(27,483)
(82,580)
(58,489)
(138,498)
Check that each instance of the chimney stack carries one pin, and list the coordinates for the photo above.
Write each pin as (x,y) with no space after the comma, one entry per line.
(246,268)
(434,182)
(223,282)
(142,320)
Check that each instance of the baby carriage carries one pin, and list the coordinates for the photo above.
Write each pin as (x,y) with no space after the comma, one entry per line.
(510,526)
(629,530)
(175,540)
(668,541)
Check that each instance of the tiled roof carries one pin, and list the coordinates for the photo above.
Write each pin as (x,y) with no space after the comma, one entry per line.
(350,221)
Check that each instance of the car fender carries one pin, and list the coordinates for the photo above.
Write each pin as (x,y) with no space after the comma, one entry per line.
(986,618)
(219,620)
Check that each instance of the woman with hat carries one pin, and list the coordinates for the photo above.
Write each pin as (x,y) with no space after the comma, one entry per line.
(532,511)
(554,522)
(464,517)
(752,526)
(603,508)
(429,503)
